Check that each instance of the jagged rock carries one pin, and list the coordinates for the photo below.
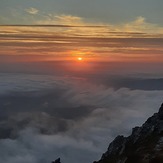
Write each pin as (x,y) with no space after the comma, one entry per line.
(56,161)
(144,145)
(161,112)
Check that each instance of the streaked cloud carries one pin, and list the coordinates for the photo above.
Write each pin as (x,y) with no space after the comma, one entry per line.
(32,10)
(139,25)
(54,37)
(69,19)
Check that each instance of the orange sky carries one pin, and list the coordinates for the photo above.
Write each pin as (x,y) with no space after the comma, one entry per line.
(42,43)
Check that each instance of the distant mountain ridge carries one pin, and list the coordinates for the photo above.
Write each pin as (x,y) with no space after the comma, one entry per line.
(144,145)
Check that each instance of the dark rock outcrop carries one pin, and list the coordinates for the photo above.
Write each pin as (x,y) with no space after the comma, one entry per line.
(56,161)
(144,145)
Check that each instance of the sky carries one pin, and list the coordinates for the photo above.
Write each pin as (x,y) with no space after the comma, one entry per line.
(108,30)
(53,104)
(104,11)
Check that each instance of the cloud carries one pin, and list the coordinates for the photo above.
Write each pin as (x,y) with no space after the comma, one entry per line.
(45,117)
(141,25)
(61,20)
(32,11)
(85,139)
(78,26)
(54,38)
(31,147)
(39,117)
(69,19)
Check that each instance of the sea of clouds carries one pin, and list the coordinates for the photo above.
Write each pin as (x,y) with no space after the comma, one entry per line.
(43,117)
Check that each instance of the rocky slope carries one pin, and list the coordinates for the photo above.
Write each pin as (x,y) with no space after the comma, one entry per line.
(144,145)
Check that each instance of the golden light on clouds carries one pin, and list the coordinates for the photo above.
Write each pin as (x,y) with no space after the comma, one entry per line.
(132,41)
(82,53)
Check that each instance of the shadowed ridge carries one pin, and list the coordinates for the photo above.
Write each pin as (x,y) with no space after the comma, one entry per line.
(57,161)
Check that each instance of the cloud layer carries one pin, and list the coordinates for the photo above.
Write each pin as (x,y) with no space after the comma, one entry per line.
(45,117)
(66,36)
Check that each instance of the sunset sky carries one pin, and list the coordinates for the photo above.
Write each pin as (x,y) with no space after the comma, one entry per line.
(74,74)
(111,30)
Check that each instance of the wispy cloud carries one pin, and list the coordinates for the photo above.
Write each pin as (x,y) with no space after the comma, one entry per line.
(135,28)
(32,10)
(141,25)
(62,20)
(69,19)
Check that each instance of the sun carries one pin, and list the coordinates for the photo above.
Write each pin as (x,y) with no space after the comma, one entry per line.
(80,59)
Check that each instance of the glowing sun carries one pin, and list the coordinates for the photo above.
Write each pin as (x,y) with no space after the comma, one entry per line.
(80,59)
